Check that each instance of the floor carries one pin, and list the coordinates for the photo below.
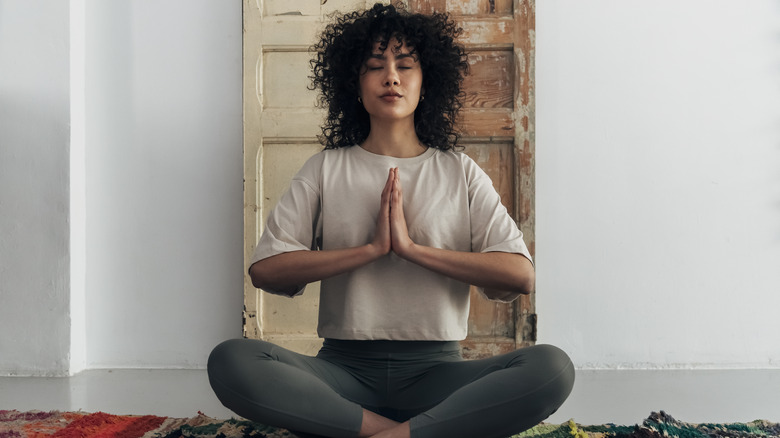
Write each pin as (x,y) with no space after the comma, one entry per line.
(620,397)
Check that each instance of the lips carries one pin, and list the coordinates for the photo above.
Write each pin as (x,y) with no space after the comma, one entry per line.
(391,97)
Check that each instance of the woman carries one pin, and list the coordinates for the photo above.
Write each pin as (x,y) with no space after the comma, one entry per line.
(396,225)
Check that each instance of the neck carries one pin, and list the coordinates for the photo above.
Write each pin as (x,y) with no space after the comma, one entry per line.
(393,139)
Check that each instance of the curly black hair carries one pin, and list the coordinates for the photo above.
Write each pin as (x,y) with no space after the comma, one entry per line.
(346,44)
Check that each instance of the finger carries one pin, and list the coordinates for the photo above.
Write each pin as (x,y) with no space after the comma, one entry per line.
(382,237)
(390,178)
(397,193)
(387,190)
(396,202)
(391,182)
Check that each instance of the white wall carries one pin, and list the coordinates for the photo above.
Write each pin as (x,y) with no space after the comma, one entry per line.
(158,227)
(658,177)
(34,179)
(164,181)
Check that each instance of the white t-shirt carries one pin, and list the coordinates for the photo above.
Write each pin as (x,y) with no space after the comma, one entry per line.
(333,202)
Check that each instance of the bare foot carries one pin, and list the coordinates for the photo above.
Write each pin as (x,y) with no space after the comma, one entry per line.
(374,423)
(400,431)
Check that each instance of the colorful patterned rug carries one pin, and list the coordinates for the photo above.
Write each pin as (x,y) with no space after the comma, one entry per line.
(34,424)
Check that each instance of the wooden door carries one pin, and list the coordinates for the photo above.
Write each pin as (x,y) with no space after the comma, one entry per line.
(281,124)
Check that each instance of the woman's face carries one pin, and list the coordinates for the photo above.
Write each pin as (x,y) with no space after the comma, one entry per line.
(391,82)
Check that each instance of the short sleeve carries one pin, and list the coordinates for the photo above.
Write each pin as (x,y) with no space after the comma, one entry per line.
(492,228)
(292,224)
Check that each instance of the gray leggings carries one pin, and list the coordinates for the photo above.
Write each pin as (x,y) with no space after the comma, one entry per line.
(426,382)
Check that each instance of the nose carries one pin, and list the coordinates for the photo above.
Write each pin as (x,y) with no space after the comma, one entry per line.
(392,77)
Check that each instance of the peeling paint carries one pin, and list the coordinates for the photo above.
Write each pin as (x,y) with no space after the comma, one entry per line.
(466,7)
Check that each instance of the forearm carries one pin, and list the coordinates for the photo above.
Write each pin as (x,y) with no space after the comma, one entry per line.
(504,276)
(289,271)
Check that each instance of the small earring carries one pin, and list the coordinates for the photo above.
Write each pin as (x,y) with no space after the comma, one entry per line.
(360,99)
(422,98)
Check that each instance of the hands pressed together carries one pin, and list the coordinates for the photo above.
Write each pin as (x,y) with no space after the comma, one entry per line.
(391,232)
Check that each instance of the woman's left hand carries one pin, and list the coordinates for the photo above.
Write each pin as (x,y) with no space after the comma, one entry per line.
(401,243)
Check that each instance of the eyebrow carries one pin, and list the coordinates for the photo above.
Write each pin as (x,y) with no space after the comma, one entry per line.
(381,56)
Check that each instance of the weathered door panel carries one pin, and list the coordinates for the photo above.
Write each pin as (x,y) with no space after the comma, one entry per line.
(281,124)
(497,123)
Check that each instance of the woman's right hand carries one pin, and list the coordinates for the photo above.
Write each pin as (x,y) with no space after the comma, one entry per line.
(382,242)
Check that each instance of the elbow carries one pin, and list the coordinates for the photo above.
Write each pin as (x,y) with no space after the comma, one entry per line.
(527,283)
(523,282)
(509,293)
(258,282)
(525,279)
(258,276)
(263,278)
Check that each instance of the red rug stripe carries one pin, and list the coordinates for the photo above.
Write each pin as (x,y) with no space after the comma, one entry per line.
(102,425)
(136,428)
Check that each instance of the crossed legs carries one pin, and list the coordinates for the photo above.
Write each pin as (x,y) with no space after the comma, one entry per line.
(493,397)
